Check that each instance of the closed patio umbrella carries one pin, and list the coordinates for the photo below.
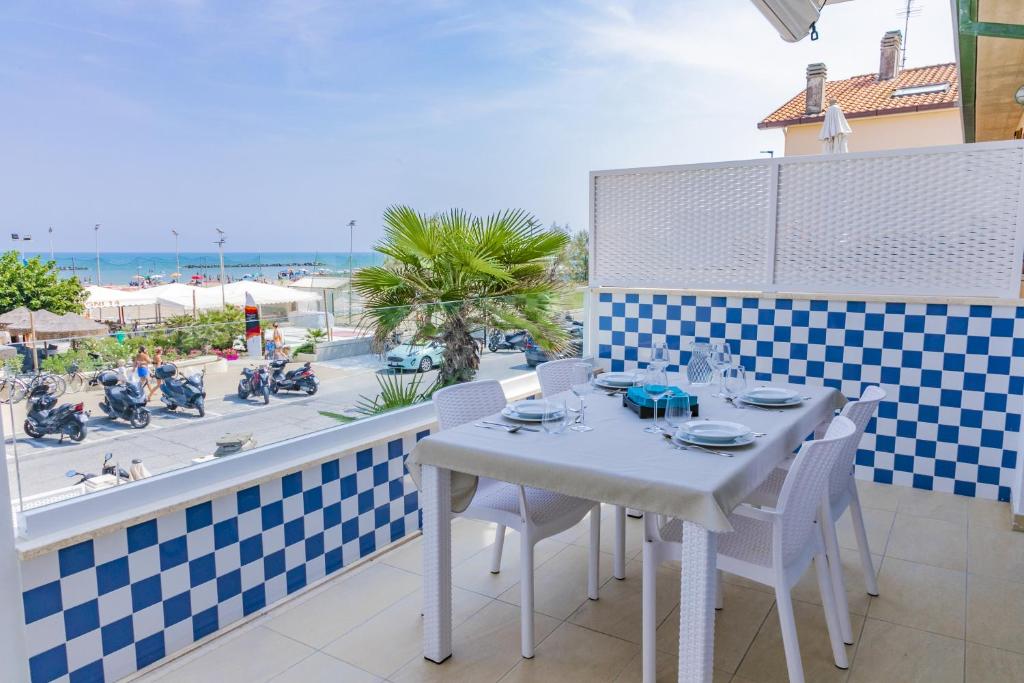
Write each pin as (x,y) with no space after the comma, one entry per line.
(834,130)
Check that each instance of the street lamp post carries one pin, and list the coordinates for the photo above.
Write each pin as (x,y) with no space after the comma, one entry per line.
(96,230)
(220,244)
(177,256)
(351,232)
(51,243)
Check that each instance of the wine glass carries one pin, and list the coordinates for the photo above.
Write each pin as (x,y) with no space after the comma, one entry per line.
(659,353)
(721,358)
(581,386)
(677,412)
(734,381)
(555,416)
(655,386)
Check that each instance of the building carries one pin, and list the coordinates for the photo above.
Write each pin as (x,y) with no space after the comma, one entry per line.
(890,109)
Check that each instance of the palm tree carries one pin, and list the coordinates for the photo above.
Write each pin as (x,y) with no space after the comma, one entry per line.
(454,273)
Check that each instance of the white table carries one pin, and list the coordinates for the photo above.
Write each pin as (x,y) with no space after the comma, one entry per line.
(616,463)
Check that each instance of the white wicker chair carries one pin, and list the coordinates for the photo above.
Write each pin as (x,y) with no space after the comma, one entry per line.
(771,546)
(536,514)
(555,377)
(842,495)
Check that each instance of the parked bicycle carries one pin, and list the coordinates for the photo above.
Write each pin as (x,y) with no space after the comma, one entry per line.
(77,379)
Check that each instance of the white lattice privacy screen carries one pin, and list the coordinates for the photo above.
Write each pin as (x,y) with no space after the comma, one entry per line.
(936,221)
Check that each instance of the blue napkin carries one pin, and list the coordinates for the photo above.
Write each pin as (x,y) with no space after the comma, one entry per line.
(676,397)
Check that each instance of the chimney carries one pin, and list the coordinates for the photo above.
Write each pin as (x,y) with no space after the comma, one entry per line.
(816,74)
(892,55)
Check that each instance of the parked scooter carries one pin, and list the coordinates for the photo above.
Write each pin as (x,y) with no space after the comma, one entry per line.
(181,393)
(125,401)
(514,341)
(69,420)
(255,382)
(137,471)
(300,379)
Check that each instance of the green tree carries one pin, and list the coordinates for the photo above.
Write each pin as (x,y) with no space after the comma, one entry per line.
(577,256)
(454,273)
(37,285)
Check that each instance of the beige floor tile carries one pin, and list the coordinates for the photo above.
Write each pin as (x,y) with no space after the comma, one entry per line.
(634,534)
(765,662)
(996,553)
(853,576)
(321,668)
(948,507)
(744,611)
(889,653)
(573,654)
(929,541)
(255,655)
(485,646)
(878,524)
(667,666)
(992,514)
(995,612)
(921,596)
(878,496)
(343,605)
(393,636)
(475,573)
(560,584)
(988,665)
(618,613)
(468,538)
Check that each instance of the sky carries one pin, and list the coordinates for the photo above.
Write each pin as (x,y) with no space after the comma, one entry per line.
(281,120)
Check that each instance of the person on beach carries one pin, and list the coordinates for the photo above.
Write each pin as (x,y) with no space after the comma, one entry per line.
(276,342)
(142,361)
(158,360)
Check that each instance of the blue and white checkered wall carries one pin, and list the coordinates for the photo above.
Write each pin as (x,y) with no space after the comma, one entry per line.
(954,374)
(104,608)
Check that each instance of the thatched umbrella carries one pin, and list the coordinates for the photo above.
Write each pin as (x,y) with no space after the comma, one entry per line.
(46,325)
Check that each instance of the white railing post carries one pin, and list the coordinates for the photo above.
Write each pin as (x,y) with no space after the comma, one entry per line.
(773,226)
(13,648)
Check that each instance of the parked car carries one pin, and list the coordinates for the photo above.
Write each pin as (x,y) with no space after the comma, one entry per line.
(419,357)
(535,355)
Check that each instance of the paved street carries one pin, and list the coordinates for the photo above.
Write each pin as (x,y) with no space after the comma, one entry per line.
(173,439)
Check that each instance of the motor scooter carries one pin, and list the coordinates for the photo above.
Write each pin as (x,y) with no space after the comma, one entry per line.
(69,420)
(300,379)
(125,401)
(501,341)
(137,471)
(255,382)
(178,392)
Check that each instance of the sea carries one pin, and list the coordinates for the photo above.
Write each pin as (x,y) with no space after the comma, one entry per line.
(120,268)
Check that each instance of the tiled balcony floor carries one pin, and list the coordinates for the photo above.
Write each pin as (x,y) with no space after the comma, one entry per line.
(951,575)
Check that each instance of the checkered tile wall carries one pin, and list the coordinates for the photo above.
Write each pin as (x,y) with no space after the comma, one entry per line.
(954,373)
(103,608)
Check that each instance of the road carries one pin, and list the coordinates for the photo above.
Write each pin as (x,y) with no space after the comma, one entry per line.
(173,439)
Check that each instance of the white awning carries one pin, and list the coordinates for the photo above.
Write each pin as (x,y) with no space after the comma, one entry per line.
(204,298)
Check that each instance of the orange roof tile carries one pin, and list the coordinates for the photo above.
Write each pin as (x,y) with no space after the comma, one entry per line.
(867,96)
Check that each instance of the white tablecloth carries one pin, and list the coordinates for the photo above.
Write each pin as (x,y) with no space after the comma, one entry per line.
(620,464)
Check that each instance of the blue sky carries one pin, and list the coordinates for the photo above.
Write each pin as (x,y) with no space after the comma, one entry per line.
(280,121)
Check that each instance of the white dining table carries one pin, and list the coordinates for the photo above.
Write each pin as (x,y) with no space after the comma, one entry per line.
(616,463)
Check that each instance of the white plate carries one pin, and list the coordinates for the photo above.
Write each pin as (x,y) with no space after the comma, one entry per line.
(770,395)
(524,411)
(615,380)
(795,402)
(713,431)
(738,441)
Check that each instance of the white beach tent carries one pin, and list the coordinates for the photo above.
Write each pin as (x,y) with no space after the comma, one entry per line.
(106,303)
(205,298)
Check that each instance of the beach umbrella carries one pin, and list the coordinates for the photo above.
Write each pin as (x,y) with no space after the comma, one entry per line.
(834,130)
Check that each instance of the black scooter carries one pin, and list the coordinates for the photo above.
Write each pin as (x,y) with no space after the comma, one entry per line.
(255,382)
(69,420)
(184,393)
(301,379)
(125,401)
(513,341)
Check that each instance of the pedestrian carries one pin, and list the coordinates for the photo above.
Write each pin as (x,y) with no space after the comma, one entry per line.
(142,361)
(158,360)
(276,342)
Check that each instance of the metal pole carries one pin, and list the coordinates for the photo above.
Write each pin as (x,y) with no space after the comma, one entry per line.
(220,243)
(51,244)
(35,351)
(351,232)
(13,648)
(99,278)
(177,255)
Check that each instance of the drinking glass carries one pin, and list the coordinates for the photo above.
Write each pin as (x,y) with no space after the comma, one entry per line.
(655,386)
(555,416)
(581,386)
(734,381)
(721,358)
(659,354)
(677,413)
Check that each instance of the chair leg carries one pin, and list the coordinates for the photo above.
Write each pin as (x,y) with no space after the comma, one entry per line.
(594,564)
(718,589)
(526,595)
(870,580)
(650,605)
(619,568)
(499,544)
(828,601)
(787,623)
(835,567)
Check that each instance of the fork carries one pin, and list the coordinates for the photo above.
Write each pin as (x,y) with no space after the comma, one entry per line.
(511,429)
(688,447)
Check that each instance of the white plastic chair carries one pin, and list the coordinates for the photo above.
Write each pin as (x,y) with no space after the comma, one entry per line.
(555,376)
(536,514)
(842,495)
(771,546)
